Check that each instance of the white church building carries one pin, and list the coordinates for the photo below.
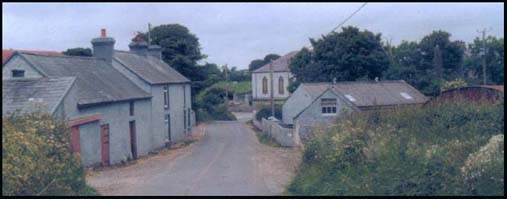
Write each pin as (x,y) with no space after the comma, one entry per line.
(261,82)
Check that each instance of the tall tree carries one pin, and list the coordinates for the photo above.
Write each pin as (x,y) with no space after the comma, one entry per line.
(494,61)
(426,66)
(451,53)
(180,48)
(85,52)
(347,56)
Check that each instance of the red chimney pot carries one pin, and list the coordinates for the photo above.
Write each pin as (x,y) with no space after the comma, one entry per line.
(103,32)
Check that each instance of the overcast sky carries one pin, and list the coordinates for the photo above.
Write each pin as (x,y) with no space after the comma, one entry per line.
(236,33)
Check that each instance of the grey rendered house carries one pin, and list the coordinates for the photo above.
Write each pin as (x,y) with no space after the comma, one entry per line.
(112,117)
(315,105)
(171,109)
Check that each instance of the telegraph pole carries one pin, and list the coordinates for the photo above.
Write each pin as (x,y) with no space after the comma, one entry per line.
(226,87)
(483,53)
(149,34)
(271,86)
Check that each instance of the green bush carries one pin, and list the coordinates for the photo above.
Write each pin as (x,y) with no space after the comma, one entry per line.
(266,112)
(211,106)
(411,151)
(37,158)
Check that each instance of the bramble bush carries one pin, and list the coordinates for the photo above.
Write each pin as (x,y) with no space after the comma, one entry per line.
(37,158)
(451,148)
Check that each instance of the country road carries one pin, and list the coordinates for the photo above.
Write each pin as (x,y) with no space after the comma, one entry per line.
(228,160)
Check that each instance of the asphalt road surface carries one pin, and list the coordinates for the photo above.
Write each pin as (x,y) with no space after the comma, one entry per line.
(228,160)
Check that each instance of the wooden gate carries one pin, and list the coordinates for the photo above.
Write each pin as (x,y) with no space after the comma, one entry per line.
(104,129)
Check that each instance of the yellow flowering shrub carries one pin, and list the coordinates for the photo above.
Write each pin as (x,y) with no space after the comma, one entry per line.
(37,159)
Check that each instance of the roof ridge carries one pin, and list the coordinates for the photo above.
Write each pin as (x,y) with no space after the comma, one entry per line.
(39,78)
(354,82)
(61,56)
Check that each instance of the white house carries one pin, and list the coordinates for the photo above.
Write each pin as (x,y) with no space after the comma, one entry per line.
(261,79)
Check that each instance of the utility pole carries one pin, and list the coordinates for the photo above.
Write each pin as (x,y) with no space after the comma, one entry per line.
(226,87)
(149,34)
(483,53)
(271,86)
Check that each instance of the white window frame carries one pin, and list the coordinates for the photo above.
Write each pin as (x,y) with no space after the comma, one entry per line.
(166,97)
(328,106)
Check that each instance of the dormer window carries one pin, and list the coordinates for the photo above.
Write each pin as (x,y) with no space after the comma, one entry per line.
(328,106)
(18,73)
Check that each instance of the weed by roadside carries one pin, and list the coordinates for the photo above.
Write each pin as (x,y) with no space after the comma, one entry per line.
(262,137)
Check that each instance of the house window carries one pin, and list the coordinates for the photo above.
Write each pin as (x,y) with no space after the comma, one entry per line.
(264,85)
(328,105)
(18,73)
(166,98)
(281,89)
(131,108)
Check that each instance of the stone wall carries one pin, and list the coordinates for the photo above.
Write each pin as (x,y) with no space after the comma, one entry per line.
(285,136)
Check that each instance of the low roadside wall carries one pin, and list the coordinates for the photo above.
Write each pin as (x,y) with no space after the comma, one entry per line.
(285,136)
(257,124)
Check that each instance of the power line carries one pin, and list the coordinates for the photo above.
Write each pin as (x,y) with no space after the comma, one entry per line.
(346,19)
(343,22)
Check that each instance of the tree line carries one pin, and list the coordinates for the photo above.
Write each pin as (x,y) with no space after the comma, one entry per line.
(348,55)
(428,64)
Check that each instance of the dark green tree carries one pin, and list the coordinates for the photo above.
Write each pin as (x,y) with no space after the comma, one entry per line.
(180,48)
(270,57)
(239,75)
(426,66)
(347,56)
(257,63)
(494,61)
(85,52)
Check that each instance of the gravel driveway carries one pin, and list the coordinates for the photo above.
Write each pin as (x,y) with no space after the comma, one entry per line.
(227,160)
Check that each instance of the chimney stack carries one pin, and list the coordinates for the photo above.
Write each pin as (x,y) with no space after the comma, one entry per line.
(103,47)
(155,51)
(139,46)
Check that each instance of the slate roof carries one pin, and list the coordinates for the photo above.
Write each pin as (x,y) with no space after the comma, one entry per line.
(24,94)
(149,68)
(96,80)
(315,89)
(279,65)
(368,93)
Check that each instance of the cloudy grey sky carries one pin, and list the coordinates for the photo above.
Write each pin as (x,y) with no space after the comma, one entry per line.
(236,33)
